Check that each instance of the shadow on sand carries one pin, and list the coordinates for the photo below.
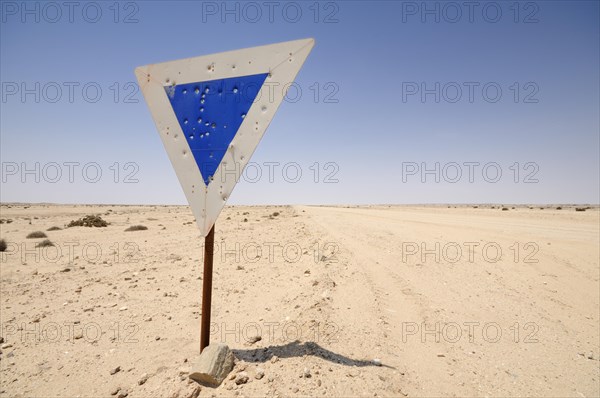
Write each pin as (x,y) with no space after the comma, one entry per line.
(297,349)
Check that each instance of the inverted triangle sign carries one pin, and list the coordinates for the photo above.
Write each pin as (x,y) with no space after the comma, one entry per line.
(212,111)
(210,114)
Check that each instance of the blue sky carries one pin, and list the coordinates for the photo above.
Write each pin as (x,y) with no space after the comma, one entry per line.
(390,89)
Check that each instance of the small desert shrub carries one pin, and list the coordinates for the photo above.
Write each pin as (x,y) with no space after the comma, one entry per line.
(5,220)
(54,229)
(88,221)
(2,245)
(136,228)
(559,208)
(36,235)
(275,214)
(245,220)
(45,243)
(580,209)
(504,208)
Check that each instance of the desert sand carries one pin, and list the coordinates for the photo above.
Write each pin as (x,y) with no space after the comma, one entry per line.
(347,301)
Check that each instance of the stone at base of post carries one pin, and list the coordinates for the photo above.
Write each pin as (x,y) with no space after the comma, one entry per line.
(213,365)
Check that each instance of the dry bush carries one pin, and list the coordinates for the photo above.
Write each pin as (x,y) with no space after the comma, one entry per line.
(36,235)
(88,221)
(136,228)
(45,243)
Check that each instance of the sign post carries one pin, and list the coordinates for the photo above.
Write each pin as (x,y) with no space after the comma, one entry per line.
(209,243)
(211,112)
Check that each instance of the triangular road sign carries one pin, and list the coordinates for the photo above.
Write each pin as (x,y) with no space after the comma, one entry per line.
(211,112)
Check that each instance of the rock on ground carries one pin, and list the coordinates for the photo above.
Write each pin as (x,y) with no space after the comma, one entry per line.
(213,365)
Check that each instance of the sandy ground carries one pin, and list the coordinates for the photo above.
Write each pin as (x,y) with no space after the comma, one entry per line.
(358,301)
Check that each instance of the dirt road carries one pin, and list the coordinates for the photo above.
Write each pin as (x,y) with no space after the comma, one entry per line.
(473,302)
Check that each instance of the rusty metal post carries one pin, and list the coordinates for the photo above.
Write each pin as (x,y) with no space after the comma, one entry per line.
(209,243)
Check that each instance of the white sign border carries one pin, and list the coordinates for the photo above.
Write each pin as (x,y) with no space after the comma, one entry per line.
(282,61)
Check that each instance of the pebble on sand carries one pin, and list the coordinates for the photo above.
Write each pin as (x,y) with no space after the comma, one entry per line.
(143,379)
(241,378)
(254,339)
(260,373)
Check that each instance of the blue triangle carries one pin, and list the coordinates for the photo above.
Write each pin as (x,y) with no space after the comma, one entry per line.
(210,114)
